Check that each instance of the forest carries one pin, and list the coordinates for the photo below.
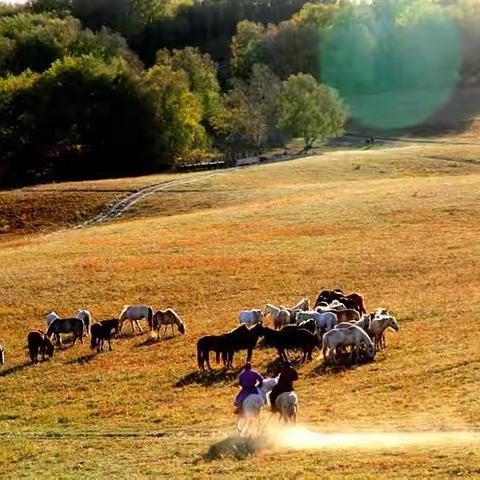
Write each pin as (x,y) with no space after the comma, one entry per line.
(108,88)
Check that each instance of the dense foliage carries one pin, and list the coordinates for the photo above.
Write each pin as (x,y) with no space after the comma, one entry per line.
(111,87)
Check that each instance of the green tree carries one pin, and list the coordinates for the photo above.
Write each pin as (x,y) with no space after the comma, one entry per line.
(310,110)
(178,114)
(252,109)
(247,48)
(202,78)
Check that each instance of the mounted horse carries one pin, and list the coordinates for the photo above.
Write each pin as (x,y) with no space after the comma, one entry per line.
(253,405)
(102,331)
(134,313)
(39,343)
(167,317)
(66,325)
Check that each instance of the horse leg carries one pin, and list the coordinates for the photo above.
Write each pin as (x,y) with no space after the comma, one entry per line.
(138,325)
(109,345)
(173,333)
(207,358)
(249,354)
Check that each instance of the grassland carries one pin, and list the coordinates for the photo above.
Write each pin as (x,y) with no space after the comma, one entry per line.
(399,225)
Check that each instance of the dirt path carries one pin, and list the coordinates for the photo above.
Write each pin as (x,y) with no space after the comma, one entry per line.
(118,208)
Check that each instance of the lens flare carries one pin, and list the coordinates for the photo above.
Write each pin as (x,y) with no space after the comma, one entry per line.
(393,64)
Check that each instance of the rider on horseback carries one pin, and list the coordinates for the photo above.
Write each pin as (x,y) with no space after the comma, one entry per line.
(249,380)
(285,383)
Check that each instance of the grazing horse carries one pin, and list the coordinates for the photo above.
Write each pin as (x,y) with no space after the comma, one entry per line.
(134,313)
(343,337)
(290,337)
(250,317)
(86,318)
(2,355)
(378,325)
(102,331)
(38,342)
(287,405)
(253,405)
(66,325)
(167,317)
(280,316)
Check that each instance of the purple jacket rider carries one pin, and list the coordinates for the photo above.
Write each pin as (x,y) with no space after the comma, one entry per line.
(248,380)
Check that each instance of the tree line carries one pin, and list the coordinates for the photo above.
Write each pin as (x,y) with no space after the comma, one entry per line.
(121,87)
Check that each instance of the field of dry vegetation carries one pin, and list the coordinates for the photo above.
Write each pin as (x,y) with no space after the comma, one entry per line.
(399,225)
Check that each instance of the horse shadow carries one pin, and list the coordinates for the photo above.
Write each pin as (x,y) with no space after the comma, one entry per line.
(147,342)
(15,369)
(346,363)
(207,378)
(83,360)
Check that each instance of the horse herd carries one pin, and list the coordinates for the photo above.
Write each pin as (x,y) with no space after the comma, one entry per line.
(338,324)
(40,343)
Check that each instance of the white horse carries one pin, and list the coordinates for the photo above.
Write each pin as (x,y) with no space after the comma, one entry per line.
(253,405)
(280,316)
(302,305)
(250,317)
(86,317)
(378,326)
(50,318)
(344,337)
(167,317)
(324,322)
(134,313)
(287,405)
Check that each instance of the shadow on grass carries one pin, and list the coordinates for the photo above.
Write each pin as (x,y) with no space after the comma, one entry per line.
(346,362)
(15,369)
(207,378)
(83,360)
(236,447)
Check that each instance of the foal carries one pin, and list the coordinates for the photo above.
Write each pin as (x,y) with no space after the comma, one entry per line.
(38,342)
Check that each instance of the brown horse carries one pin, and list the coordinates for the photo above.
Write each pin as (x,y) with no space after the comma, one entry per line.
(38,342)
(351,301)
(102,331)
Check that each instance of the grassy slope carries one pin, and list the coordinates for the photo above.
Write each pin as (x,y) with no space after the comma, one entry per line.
(398,225)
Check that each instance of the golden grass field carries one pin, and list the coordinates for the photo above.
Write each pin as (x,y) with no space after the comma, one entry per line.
(399,225)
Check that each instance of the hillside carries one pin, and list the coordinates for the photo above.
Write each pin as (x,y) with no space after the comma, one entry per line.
(398,224)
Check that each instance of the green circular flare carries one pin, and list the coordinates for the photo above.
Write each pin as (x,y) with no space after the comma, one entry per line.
(393,69)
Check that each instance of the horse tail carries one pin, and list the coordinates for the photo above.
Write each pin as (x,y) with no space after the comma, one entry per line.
(93,342)
(200,357)
(150,318)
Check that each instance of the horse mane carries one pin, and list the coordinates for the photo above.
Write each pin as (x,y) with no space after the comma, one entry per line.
(175,315)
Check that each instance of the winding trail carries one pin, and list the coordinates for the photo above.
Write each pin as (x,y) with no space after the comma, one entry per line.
(121,206)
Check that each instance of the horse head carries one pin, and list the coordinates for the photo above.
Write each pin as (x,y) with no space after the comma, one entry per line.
(181,328)
(392,322)
(48,345)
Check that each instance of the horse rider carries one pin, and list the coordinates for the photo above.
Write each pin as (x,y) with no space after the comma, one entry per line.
(249,380)
(285,383)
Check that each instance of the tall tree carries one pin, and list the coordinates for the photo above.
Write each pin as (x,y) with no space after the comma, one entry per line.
(310,110)
(247,48)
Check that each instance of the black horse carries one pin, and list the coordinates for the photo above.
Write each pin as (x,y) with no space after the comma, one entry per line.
(241,338)
(39,343)
(102,331)
(290,337)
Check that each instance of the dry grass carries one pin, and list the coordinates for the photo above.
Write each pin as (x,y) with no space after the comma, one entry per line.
(399,225)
